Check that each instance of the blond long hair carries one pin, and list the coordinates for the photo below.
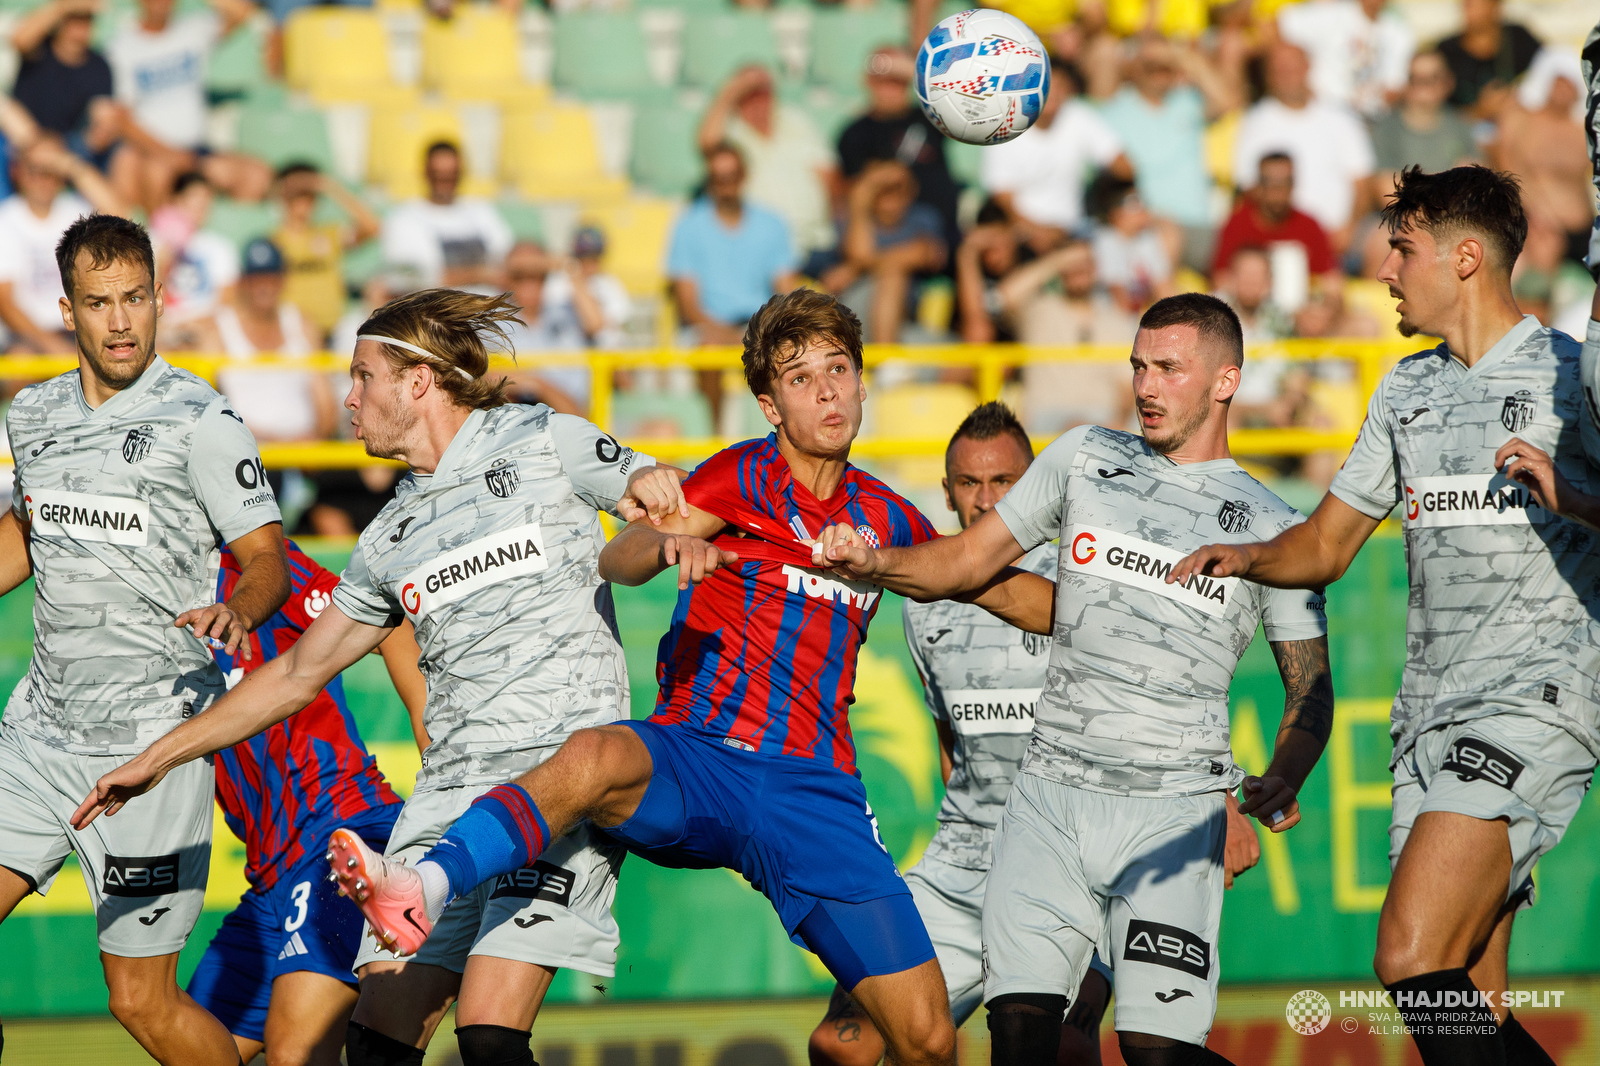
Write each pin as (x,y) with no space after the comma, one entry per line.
(458,330)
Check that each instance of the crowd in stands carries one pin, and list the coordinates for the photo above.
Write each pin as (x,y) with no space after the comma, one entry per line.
(1247,154)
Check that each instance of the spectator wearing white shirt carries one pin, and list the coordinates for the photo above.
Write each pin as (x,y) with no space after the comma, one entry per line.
(1360,50)
(1329,145)
(790,166)
(446,239)
(158,67)
(1038,179)
(32,221)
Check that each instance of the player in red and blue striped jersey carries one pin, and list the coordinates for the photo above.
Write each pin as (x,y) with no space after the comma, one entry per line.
(748,762)
(278,971)
(762,654)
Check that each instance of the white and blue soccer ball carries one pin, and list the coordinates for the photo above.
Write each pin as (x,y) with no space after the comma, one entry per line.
(982,76)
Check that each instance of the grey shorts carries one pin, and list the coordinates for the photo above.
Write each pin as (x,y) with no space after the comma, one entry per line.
(145,866)
(1511,766)
(950,900)
(554,913)
(1138,878)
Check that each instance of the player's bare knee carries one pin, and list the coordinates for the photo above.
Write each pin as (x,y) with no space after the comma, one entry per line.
(925,1038)
(141,1005)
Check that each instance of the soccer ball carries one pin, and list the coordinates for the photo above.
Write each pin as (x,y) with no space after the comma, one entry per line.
(982,76)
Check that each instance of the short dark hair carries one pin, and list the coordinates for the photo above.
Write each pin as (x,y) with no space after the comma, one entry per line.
(1274,157)
(726,148)
(442,146)
(988,421)
(1105,194)
(1065,68)
(297,166)
(186,179)
(786,324)
(1486,202)
(108,239)
(1207,314)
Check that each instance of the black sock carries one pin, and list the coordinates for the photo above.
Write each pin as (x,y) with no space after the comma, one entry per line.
(1449,1019)
(368,1047)
(1521,1048)
(494,1045)
(1156,1051)
(1025,1029)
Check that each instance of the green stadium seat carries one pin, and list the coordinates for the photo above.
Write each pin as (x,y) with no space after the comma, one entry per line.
(237,69)
(282,135)
(964,161)
(525,219)
(714,46)
(242,222)
(664,157)
(843,37)
(601,55)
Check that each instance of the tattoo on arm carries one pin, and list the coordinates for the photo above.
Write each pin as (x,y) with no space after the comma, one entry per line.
(1307,686)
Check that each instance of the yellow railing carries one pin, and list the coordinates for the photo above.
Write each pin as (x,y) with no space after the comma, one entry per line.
(989,363)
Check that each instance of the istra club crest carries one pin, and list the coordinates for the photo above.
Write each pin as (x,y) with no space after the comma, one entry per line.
(1518,411)
(502,478)
(136,445)
(1235,516)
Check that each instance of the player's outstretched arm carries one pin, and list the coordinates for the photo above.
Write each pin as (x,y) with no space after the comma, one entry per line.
(1302,734)
(1310,555)
(16,566)
(400,654)
(262,589)
(646,548)
(654,492)
(938,569)
(1533,468)
(264,698)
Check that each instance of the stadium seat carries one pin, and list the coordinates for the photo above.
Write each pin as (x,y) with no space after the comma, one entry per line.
(338,54)
(280,135)
(601,55)
(637,231)
(551,153)
(664,155)
(843,37)
(526,220)
(473,56)
(237,69)
(716,45)
(399,139)
(242,222)
(932,410)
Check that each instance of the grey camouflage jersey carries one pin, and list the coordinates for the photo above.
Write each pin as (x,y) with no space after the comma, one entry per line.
(983,677)
(128,505)
(1499,615)
(1136,697)
(494,559)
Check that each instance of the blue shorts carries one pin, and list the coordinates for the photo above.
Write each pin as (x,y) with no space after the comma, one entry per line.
(800,832)
(299,924)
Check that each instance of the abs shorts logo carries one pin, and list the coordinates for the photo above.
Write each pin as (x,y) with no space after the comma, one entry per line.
(868,534)
(542,880)
(1167,945)
(1235,516)
(137,444)
(1518,411)
(502,478)
(1082,548)
(1473,759)
(140,875)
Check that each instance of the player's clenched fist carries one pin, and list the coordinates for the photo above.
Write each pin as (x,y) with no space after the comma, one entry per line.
(1272,801)
(1213,560)
(842,550)
(654,493)
(694,558)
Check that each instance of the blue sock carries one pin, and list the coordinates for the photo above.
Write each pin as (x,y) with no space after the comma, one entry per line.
(501,832)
